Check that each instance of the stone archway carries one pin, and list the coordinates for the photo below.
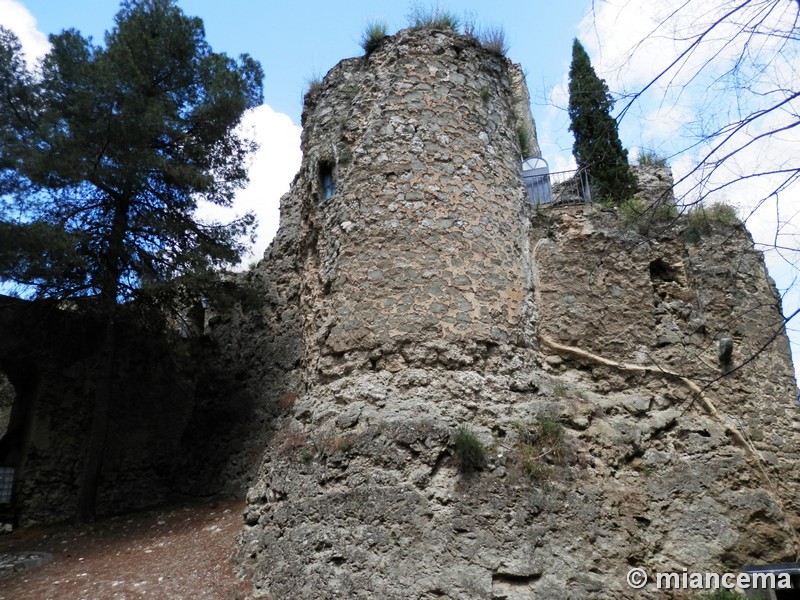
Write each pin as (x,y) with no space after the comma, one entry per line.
(19,381)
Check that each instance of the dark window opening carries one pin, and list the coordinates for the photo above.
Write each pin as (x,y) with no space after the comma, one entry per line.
(662,271)
(326,181)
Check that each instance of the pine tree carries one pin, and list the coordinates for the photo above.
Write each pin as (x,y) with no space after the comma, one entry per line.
(597,147)
(104,155)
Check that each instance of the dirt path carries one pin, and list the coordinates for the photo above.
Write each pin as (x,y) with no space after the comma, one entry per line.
(174,553)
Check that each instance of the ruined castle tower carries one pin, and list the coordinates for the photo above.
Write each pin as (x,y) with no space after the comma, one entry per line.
(409,191)
(413,293)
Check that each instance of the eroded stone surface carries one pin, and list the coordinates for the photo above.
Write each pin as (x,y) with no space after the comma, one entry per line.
(427,294)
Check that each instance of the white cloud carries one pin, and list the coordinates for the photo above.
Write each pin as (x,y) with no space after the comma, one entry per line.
(272,169)
(17,18)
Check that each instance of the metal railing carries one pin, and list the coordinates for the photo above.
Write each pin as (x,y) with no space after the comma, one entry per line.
(561,187)
(571,187)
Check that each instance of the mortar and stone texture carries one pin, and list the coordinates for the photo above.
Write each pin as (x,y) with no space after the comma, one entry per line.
(426,294)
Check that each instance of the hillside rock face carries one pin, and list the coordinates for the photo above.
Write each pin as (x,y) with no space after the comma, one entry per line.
(412,291)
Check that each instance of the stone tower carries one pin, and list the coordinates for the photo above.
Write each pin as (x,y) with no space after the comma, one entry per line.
(421,239)
(412,293)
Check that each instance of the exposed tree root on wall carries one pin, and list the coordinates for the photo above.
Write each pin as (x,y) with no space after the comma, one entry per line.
(737,433)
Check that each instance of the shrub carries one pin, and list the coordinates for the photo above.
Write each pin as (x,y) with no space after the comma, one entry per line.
(632,209)
(432,17)
(636,210)
(494,39)
(664,211)
(701,217)
(651,158)
(692,234)
(373,36)
(469,450)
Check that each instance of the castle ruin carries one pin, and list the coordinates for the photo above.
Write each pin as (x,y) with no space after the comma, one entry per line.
(413,292)
(435,388)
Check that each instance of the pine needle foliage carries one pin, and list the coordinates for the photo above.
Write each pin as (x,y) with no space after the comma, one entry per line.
(107,150)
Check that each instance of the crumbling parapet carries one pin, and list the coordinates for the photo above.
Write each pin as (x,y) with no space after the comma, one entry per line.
(526,126)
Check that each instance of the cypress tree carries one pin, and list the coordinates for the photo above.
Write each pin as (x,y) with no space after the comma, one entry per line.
(597,147)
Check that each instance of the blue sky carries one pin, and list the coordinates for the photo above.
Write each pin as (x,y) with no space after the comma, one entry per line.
(295,41)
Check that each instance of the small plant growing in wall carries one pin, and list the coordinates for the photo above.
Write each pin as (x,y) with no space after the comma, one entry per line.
(651,158)
(373,36)
(332,444)
(494,40)
(540,442)
(524,138)
(313,85)
(635,211)
(432,17)
(469,450)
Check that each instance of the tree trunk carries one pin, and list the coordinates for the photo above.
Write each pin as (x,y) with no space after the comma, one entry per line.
(107,375)
(98,434)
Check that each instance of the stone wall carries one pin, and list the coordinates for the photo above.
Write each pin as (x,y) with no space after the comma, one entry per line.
(180,420)
(426,295)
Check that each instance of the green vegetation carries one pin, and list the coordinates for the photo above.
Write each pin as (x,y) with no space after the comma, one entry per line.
(332,443)
(637,211)
(692,235)
(494,39)
(432,17)
(313,85)
(469,25)
(538,441)
(703,216)
(525,142)
(651,158)
(373,36)
(700,218)
(597,147)
(469,450)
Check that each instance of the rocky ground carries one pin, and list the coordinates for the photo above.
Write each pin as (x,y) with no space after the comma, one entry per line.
(177,552)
